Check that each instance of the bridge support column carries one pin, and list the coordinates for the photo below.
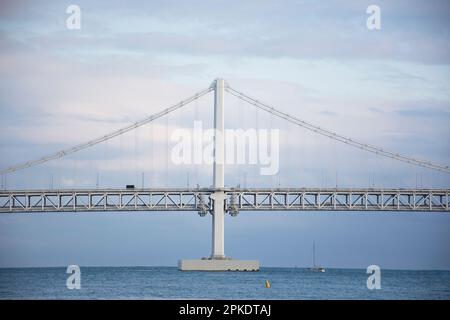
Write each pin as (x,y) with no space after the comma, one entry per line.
(218,261)
(218,214)
(218,222)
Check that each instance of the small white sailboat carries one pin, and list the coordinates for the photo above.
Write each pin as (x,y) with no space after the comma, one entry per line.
(315,267)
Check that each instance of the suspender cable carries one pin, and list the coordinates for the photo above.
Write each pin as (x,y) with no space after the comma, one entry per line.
(106,137)
(335,136)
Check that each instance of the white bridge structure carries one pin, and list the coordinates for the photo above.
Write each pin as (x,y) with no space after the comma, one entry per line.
(219,200)
(236,200)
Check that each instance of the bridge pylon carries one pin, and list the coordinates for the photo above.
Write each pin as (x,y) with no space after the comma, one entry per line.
(218,261)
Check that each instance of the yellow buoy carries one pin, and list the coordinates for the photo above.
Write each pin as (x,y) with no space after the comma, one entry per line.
(267,284)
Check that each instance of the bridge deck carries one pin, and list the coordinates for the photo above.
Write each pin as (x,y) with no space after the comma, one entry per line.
(237,199)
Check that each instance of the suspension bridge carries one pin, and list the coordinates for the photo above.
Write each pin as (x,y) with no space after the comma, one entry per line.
(218,199)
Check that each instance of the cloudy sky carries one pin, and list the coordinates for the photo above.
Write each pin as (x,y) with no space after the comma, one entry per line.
(318,61)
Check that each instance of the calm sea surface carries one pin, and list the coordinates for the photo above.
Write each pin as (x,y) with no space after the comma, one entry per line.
(169,283)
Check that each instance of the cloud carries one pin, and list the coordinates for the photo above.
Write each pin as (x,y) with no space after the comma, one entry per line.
(316,61)
(306,31)
(425,109)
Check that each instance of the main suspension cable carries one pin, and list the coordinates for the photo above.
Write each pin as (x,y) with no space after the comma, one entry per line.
(106,137)
(335,136)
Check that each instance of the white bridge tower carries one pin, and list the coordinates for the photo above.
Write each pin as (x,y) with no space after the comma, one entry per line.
(218,261)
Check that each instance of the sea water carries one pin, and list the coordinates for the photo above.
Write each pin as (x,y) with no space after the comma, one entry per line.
(170,283)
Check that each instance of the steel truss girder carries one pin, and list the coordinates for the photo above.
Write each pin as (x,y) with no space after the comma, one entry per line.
(302,199)
(342,200)
(102,200)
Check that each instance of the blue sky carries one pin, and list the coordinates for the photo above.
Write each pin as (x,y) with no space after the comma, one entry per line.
(318,61)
